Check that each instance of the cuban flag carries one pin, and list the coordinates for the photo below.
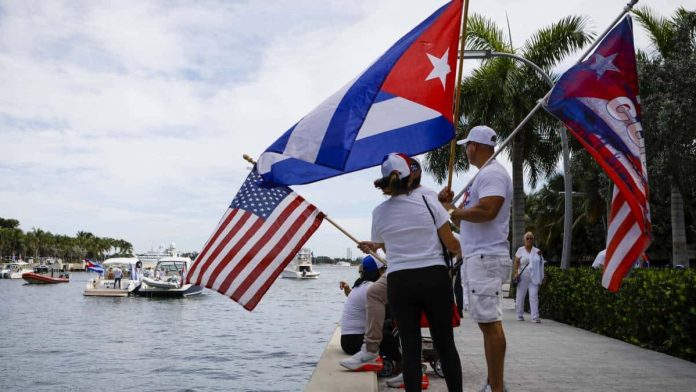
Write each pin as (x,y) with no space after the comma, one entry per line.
(598,102)
(94,267)
(403,102)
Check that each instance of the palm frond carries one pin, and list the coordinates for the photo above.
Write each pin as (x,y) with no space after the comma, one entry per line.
(550,45)
(483,34)
(660,30)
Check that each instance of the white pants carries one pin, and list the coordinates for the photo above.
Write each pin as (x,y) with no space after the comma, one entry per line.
(524,285)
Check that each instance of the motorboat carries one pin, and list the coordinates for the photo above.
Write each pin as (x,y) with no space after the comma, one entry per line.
(103,286)
(151,257)
(342,264)
(168,279)
(301,266)
(45,275)
(15,270)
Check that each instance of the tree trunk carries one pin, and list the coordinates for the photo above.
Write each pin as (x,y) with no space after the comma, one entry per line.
(518,196)
(679,253)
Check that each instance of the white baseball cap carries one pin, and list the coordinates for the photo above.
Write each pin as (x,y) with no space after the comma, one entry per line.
(482,134)
(401,163)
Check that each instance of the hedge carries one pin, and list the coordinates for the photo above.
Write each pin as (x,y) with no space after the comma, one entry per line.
(655,308)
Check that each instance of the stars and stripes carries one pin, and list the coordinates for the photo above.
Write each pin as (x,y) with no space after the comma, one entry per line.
(598,102)
(257,237)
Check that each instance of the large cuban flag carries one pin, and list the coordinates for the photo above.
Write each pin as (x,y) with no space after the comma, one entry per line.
(598,102)
(402,102)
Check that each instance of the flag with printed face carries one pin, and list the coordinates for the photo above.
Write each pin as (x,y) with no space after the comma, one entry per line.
(598,102)
(257,237)
(403,102)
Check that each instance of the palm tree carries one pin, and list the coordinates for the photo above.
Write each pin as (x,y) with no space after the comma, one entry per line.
(501,92)
(666,36)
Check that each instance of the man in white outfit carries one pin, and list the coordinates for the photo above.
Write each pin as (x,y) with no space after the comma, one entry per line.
(484,217)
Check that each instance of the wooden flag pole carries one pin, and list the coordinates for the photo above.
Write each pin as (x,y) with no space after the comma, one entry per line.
(458,91)
(326,217)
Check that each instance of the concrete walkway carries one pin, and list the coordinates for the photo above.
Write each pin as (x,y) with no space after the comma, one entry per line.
(556,357)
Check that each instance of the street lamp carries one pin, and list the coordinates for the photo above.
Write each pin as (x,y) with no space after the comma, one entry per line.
(567,179)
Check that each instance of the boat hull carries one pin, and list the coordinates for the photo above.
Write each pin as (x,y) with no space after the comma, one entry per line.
(156,292)
(292,274)
(34,278)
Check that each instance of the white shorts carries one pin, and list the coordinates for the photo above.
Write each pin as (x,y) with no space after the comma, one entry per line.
(484,277)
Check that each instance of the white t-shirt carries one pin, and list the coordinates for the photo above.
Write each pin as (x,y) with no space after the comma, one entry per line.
(406,228)
(354,311)
(488,238)
(118,273)
(536,269)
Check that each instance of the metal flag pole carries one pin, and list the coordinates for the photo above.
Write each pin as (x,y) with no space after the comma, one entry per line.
(456,112)
(326,217)
(539,104)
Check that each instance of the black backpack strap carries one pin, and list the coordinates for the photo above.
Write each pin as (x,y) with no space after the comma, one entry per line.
(445,252)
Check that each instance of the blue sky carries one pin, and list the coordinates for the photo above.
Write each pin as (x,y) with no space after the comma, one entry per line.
(128,119)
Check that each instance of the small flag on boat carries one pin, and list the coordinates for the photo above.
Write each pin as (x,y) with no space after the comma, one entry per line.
(257,237)
(94,267)
(402,102)
(598,102)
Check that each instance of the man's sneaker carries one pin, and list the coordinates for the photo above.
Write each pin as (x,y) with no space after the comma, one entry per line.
(363,361)
(398,382)
(520,318)
(538,321)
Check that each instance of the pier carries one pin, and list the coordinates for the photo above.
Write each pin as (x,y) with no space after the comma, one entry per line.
(550,356)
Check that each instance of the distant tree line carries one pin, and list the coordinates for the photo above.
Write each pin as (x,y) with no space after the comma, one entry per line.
(38,243)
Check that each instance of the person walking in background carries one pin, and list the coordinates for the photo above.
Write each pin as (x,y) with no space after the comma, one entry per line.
(529,272)
(484,217)
(409,226)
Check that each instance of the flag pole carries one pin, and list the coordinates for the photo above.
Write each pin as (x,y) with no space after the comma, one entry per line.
(539,104)
(457,112)
(326,217)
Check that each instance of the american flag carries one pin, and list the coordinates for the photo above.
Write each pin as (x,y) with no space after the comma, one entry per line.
(598,102)
(257,237)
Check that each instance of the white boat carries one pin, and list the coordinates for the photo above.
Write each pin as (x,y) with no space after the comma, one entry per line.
(15,270)
(130,282)
(168,279)
(151,257)
(301,266)
(342,264)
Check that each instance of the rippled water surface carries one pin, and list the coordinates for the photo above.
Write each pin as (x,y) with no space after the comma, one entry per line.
(55,339)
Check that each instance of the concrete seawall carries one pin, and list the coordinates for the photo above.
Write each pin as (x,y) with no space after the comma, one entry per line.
(330,376)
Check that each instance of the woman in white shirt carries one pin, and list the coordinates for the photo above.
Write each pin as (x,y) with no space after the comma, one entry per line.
(409,226)
(529,269)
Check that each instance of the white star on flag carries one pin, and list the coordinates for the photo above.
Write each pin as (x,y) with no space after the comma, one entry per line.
(440,67)
(603,64)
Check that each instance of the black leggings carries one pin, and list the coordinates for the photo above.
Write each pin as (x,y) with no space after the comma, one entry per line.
(426,289)
(351,344)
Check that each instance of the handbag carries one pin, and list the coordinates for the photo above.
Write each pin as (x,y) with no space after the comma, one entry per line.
(516,280)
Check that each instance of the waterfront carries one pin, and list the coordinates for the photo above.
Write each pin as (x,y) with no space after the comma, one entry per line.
(55,339)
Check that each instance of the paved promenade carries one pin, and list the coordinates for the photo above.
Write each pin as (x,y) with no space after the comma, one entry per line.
(556,357)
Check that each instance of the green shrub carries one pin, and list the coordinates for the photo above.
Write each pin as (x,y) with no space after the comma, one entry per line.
(655,308)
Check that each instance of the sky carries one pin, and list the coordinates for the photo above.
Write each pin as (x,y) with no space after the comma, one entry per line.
(129,119)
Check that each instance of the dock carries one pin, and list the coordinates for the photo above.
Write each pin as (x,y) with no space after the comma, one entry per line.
(550,356)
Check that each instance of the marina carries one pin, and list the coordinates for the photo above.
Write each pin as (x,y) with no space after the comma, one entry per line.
(200,343)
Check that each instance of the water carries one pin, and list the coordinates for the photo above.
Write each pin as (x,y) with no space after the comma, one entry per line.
(55,339)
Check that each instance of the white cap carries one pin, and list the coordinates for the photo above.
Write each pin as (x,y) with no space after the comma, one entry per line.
(400,163)
(482,134)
